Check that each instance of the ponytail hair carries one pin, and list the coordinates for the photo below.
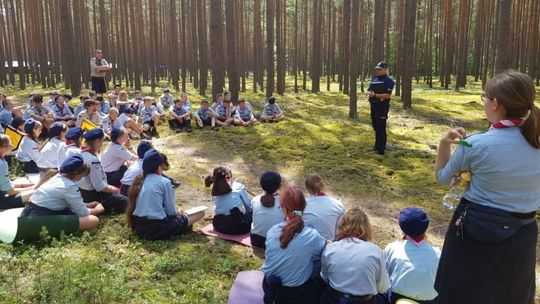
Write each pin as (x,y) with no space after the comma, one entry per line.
(133,193)
(46,177)
(314,184)
(293,203)
(270,182)
(516,92)
(219,181)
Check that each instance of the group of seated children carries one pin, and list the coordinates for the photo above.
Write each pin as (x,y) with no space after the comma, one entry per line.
(316,252)
(80,185)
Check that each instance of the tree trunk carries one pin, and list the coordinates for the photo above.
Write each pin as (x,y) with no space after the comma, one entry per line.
(216,36)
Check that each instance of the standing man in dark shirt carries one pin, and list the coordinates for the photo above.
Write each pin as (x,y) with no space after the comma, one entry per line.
(98,69)
(379,94)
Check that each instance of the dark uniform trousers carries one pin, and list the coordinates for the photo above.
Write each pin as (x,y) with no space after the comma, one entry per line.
(379,116)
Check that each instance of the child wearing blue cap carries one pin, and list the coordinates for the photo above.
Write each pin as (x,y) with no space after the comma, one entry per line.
(233,214)
(49,153)
(117,157)
(266,209)
(72,147)
(180,117)
(152,212)
(10,197)
(353,266)
(94,186)
(412,262)
(60,195)
(28,152)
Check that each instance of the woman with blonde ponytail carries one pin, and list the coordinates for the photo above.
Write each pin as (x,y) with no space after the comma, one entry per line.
(493,233)
(291,249)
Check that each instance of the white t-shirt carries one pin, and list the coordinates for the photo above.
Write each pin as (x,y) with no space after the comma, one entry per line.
(115,156)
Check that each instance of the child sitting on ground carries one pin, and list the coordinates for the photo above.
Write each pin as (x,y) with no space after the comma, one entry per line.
(243,114)
(180,117)
(150,117)
(10,197)
(60,195)
(117,157)
(353,267)
(28,152)
(266,209)
(322,211)
(205,116)
(233,214)
(272,111)
(152,211)
(72,146)
(412,262)
(113,120)
(49,153)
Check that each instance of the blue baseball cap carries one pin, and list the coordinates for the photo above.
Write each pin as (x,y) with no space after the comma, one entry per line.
(72,163)
(143,146)
(74,133)
(151,162)
(413,221)
(115,133)
(94,134)
(381,65)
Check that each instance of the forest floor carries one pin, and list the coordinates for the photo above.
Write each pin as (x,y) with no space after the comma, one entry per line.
(113,265)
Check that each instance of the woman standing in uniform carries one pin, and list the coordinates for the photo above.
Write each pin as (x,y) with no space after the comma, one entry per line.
(489,253)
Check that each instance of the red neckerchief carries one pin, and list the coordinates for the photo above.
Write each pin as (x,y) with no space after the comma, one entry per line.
(86,149)
(70,143)
(417,240)
(320,193)
(508,123)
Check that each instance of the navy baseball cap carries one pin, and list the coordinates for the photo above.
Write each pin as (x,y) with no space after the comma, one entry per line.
(413,221)
(381,65)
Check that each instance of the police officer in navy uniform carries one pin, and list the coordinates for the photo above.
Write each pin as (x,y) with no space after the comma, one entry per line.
(379,94)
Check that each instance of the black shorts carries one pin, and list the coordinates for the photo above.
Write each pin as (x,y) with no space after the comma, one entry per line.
(149,122)
(257,240)
(98,85)
(234,223)
(207,122)
(112,203)
(124,189)
(10,201)
(30,167)
(34,210)
(160,229)
(113,178)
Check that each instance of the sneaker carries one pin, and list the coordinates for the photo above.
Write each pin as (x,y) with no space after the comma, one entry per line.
(189,130)
(200,127)
(175,183)
(177,130)
(145,135)
(216,128)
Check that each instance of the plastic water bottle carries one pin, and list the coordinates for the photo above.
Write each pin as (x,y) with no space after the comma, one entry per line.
(457,190)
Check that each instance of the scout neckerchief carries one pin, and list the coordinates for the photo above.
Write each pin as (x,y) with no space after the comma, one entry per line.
(70,143)
(416,240)
(89,150)
(507,123)
(320,193)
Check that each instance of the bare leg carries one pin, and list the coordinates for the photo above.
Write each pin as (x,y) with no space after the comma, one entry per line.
(88,223)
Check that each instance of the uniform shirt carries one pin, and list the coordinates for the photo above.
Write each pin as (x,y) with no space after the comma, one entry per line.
(355,267)
(148,113)
(105,107)
(294,264)
(271,109)
(179,111)
(156,199)
(203,114)
(238,198)
(78,109)
(244,114)
(61,112)
(6,117)
(49,154)
(380,85)
(28,150)
(96,178)
(323,213)
(166,101)
(188,105)
(49,103)
(33,112)
(504,167)
(66,151)
(59,193)
(265,217)
(95,118)
(5,182)
(132,172)
(412,269)
(114,157)
(222,111)
(94,63)
(107,124)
